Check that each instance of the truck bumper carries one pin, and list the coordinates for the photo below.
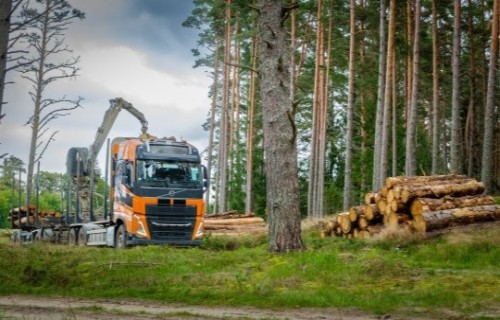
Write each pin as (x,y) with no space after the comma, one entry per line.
(132,240)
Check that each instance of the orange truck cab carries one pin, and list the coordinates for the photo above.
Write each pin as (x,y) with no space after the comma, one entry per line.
(157,191)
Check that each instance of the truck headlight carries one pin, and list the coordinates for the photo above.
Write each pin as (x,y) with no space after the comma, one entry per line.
(140,227)
(199,232)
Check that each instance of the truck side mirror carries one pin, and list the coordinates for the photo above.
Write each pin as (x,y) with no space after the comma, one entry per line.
(205,177)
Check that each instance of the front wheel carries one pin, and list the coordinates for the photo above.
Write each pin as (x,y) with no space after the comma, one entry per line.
(82,237)
(72,237)
(121,237)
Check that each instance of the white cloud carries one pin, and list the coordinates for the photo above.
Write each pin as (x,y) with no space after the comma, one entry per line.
(174,101)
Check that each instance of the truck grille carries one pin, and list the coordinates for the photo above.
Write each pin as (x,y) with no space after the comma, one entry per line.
(171,222)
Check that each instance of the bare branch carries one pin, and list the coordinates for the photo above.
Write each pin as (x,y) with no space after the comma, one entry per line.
(46,145)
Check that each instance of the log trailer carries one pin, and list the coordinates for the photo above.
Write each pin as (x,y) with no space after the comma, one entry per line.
(156,192)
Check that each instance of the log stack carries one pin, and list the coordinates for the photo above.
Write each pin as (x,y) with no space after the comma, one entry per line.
(23,216)
(418,204)
(234,224)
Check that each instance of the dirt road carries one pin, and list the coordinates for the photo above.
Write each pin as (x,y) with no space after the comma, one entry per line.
(39,308)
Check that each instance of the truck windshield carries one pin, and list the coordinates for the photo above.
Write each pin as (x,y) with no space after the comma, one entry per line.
(173,174)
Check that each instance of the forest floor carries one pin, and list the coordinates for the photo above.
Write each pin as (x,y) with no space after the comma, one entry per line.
(31,307)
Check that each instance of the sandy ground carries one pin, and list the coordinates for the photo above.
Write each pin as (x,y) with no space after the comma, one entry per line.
(39,308)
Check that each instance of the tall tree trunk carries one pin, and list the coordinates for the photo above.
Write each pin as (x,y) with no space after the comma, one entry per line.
(250,127)
(213,110)
(326,97)
(379,117)
(394,121)
(410,160)
(362,100)
(350,111)
(470,123)
(279,129)
(409,57)
(35,122)
(317,165)
(5,14)
(235,170)
(489,117)
(223,157)
(456,136)
(389,75)
(435,91)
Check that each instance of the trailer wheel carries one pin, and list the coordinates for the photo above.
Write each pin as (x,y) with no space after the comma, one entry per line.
(15,237)
(121,237)
(72,237)
(82,237)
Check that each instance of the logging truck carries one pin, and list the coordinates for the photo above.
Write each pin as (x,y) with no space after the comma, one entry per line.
(155,193)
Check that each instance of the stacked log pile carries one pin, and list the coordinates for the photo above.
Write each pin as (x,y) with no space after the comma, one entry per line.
(23,216)
(418,204)
(234,224)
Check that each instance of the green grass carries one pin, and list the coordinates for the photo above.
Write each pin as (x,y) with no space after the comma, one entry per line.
(497,199)
(459,272)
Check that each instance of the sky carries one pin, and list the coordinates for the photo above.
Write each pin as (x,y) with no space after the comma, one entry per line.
(134,49)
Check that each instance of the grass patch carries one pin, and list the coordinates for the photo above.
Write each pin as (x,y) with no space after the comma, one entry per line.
(380,277)
(497,199)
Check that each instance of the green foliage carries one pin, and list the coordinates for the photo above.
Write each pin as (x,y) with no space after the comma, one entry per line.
(209,17)
(458,272)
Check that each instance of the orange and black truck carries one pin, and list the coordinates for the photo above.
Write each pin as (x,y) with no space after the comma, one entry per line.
(155,196)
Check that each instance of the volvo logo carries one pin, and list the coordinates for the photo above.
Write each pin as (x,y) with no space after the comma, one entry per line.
(171,193)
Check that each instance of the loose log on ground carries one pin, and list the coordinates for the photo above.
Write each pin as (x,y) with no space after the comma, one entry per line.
(471,187)
(420,205)
(236,227)
(435,220)
(242,221)
(229,215)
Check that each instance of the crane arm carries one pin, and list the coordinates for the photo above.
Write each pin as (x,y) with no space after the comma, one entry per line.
(110,116)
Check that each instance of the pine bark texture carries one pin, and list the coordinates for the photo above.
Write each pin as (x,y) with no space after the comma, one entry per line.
(5,13)
(410,159)
(250,130)
(456,137)
(435,91)
(389,75)
(224,135)
(489,118)
(350,111)
(213,109)
(279,130)
(318,139)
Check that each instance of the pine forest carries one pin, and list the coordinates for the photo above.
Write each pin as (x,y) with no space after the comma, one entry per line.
(377,89)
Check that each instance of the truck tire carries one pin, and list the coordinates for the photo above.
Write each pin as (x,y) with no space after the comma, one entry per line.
(121,237)
(15,237)
(82,237)
(72,237)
